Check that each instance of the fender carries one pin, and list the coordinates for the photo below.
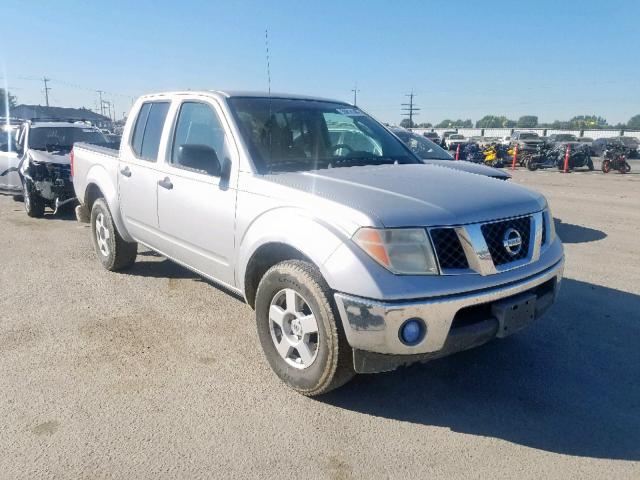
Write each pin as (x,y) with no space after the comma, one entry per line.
(100,177)
(293,227)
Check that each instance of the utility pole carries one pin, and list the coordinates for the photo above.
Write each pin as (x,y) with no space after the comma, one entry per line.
(46,90)
(355,94)
(409,109)
(100,92)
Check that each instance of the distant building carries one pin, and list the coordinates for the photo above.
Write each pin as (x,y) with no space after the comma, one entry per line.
(27,112)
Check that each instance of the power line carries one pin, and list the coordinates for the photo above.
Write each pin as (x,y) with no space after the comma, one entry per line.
(46,90)
(409,109)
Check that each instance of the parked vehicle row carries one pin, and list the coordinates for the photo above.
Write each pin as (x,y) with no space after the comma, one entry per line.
(529,141)
(356,256)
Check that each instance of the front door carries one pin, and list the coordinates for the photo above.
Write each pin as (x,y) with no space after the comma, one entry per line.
(196,204)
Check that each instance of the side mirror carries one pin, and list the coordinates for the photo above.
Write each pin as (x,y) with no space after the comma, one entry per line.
(200,157)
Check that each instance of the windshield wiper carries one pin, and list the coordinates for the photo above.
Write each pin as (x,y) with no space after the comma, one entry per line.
(364,161)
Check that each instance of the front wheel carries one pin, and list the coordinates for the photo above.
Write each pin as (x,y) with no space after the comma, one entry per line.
(299,329)
(33,203)
(590,165)
(113,252)
(606,166)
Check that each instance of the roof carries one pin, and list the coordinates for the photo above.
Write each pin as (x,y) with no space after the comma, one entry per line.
(250,94)
(38,111)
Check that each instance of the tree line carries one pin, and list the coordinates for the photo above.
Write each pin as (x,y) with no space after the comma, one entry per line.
(579,122)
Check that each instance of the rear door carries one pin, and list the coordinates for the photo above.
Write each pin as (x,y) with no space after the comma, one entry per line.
(138,172)
(196,209)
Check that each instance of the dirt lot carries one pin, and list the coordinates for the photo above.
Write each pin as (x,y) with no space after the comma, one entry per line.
(158,374)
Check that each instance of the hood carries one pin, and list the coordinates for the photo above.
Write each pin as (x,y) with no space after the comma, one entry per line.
(469,167)
(61,158)
(414,195)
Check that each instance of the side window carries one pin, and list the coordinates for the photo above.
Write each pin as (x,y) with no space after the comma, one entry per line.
(138,131)
(198,125)
(146,134)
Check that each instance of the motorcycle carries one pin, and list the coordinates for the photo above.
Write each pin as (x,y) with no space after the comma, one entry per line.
(578,157)
(545,156)
(495,155)
(472,153)
(615,158)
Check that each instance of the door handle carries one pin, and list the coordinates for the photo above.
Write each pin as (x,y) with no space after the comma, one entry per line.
(125,171)
(165,183)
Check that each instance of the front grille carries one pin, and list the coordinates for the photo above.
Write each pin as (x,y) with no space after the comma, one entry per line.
(448,248)
(494,236)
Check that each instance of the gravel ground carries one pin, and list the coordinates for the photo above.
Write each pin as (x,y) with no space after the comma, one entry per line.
(158,374)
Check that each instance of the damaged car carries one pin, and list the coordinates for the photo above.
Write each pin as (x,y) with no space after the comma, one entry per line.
(44,162)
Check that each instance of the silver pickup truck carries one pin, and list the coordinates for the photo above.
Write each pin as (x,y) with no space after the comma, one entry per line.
(356,257)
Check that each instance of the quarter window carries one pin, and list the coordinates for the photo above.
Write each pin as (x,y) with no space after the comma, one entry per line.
(148,129)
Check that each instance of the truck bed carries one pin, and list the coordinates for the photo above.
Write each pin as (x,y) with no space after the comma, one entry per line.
(92,161)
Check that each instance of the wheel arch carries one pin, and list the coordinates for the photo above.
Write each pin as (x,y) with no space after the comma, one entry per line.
(283,234)
(100,184)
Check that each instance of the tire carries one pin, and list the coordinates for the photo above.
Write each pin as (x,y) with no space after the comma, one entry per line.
(626,168)
(606,166)
(532,165)
(328,362)
(113,252)
(590,165)
(33,203)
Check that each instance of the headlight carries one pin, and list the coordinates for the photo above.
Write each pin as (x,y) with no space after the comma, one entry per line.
(551,225)
(405,251)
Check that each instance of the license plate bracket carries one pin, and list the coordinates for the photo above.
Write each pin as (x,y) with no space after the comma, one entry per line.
(514,313)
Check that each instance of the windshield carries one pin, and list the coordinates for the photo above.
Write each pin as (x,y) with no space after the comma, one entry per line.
(298,135)
(423,147)
(528,136)
(456,137)
(62,138)
(585,139)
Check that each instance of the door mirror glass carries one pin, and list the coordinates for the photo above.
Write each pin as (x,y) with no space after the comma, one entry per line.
(201,158)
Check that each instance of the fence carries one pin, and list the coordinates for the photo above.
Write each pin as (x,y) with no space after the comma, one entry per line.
(505,132)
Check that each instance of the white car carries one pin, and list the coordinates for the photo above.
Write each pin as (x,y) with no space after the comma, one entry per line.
(455,139)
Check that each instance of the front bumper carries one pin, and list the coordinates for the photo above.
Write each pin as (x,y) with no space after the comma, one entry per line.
(453,323)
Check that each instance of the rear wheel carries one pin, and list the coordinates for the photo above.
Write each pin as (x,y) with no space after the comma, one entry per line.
(299,330)
(33,203)
(590,165)
(113,252)
(626,168)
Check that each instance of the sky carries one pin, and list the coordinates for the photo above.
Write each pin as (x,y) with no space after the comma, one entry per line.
(462,59)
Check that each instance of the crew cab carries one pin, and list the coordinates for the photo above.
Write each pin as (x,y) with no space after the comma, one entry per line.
(40,167)
(356,256)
